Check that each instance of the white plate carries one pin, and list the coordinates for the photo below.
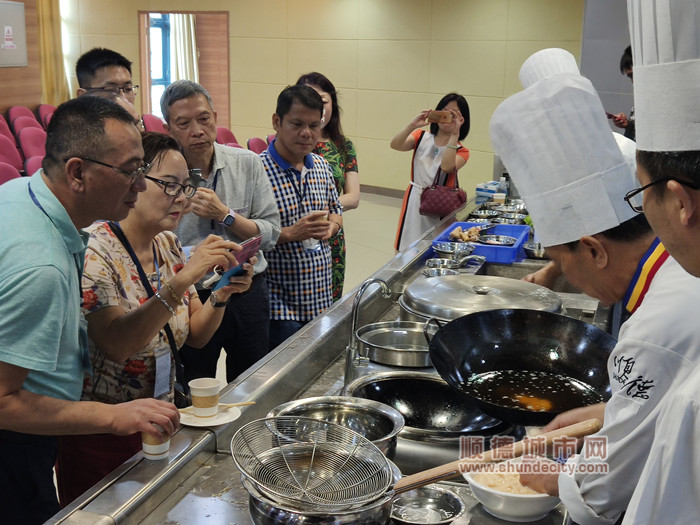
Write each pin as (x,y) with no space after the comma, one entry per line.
(225,415)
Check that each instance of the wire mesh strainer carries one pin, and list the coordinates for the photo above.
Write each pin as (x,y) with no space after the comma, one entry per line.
(308,463)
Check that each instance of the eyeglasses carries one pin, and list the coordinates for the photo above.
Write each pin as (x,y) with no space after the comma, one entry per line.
(125,90)
(132,175)
(174,188)
(634,197)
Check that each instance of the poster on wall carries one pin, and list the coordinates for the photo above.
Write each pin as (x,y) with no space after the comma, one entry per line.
(13,46)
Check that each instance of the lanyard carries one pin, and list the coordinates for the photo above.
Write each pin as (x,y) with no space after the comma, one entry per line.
(179,370)
(295,179)
(77,264)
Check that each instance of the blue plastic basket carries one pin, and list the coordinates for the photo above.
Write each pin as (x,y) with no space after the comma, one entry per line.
(494,254)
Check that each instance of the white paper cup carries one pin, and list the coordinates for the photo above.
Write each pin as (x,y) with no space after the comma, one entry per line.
(314,244)
(153,448)
(205,396)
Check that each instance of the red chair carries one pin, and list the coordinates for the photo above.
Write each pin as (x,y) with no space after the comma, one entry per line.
(32,164)
(45,112)
(270,138)
(32,142)
(153,123)
(23,122)
(257,144)
(233,145)
(8,172)
(9,154)
(6,131)
(19,111)
(225,135)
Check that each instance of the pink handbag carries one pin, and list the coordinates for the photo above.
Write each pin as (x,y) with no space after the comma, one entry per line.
(441,200)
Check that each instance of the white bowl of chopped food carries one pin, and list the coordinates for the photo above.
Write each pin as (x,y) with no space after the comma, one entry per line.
(500,492)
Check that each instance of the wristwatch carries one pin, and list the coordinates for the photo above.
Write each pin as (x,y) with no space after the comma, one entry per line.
(229,219)
(214,300)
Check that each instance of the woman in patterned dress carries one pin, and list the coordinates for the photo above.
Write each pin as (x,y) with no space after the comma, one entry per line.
(339,152)
(130,351)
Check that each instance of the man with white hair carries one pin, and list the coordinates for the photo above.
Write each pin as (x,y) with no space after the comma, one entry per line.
(573,180)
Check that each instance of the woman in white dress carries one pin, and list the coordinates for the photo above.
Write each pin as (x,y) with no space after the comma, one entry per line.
(438,149)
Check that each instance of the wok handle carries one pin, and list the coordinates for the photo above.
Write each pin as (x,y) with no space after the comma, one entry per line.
(426,333)
(455,468)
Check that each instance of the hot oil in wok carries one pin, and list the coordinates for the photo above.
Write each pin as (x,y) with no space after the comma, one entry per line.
(531,390)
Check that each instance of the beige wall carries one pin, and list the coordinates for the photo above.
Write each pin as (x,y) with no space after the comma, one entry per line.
(388,59)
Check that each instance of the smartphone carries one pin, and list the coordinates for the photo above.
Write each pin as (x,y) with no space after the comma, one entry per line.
(609,115)
(250,248)
(439,117)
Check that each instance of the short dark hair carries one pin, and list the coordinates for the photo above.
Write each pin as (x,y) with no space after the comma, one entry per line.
(463,109)
(87,65)
(77,129)
(626,60)
(305,95)
(629,231)
(332,129)
(156,144)
(178,90)
(684,165)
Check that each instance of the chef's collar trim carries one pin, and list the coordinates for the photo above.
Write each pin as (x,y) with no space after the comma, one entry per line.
(652,260)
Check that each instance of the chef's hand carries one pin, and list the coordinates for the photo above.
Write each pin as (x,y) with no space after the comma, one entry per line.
(620,120)
(546,276)
(547,482)
(576,415)
(205,203)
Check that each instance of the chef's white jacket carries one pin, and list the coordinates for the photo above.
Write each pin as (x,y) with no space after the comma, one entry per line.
(657,348)
(669,488)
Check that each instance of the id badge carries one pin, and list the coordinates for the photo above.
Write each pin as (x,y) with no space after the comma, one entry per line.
(163,370)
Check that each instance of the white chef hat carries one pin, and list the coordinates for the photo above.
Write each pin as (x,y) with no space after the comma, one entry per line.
(554,139)
(545,63)
(666,53)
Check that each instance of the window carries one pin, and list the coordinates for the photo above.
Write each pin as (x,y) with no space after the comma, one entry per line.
(159,28)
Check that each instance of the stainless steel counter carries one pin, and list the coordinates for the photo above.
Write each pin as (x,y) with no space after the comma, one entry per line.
(199,482)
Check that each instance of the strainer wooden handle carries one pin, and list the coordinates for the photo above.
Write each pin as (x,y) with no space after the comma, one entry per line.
(514,450)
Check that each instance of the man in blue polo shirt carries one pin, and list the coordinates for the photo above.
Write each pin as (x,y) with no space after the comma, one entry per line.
(93,169)
(310,214)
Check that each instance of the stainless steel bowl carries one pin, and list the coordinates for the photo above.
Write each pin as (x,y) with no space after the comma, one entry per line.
(501,220)
(534,250)
(432,505)
(512,208)
(375,421)
(516,216)
(395,343)
(450,250)
(484,214)
(498,240)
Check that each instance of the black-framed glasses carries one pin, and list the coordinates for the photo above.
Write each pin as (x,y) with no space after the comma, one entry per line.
(132,175)
(174,188)
(127,91)
(634,197)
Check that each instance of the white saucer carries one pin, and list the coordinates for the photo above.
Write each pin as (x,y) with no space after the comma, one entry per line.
(225,415)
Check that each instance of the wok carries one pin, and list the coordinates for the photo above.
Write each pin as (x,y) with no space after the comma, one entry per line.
(483,353)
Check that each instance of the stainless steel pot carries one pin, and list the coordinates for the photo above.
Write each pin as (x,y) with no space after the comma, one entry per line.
(376,421)
(449,297)
(264,511)
(395,343)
